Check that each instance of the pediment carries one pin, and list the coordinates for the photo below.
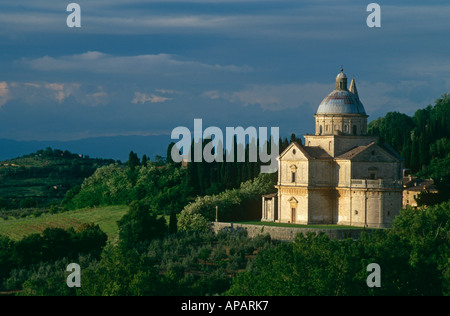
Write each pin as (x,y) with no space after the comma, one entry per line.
(292,200)
(294,152)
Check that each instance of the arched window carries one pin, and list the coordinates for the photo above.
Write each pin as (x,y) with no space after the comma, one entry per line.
(354,130)
(293,173)
(320,130)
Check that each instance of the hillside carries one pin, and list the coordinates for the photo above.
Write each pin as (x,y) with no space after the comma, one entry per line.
(43,178)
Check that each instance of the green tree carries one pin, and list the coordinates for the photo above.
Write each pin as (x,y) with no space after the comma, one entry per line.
(133,163)
(6,256)
(145,160)
(109,185)
(426,232)
(169,159)
(133,160)
(173,223)
(28,203)
(28,250)
(3,203)
(413,257)
(140,226)
(89,239)
(121,273)
(235,204)
(419,138)
(56,243)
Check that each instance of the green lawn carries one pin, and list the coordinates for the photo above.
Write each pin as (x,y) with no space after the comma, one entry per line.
(105,217)
(298,225)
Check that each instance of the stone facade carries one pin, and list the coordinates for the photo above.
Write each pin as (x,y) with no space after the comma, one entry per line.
(341,175)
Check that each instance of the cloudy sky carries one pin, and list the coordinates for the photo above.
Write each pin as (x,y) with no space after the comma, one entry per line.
(140,67)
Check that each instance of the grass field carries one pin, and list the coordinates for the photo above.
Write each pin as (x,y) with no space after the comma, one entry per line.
(105,217)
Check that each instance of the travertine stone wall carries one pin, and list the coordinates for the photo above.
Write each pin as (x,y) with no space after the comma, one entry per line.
(286,233)
(373,208)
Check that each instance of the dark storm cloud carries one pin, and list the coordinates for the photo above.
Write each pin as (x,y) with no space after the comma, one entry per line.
(142,67)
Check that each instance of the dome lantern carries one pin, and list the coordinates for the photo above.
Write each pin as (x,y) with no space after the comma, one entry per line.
(341,81)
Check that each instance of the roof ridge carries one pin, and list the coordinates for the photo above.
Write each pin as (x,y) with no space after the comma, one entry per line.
(355,151)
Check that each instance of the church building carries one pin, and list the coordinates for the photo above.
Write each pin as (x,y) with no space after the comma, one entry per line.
(340,175)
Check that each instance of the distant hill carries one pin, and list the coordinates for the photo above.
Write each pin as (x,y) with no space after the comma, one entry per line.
(114,147)
(43,178)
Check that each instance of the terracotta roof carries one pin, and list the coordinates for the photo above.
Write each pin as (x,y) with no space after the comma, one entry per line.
(392,151)
(353,152)
(316,152)
(416,184)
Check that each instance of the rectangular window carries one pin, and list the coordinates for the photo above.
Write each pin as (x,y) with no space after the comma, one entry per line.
(293,176)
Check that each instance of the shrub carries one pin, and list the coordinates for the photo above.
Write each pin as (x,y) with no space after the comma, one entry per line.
(233,204)
(140,225)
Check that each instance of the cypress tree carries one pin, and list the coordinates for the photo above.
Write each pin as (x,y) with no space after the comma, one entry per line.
(169,153)
(145,160)
(192,182)
(133,160)
(173,223)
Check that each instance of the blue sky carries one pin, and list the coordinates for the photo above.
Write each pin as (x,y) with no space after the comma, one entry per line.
(145,67)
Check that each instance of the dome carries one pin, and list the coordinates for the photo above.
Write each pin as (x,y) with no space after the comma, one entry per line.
(341,102)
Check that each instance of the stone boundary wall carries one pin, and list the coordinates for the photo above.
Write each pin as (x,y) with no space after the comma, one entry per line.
(287,233)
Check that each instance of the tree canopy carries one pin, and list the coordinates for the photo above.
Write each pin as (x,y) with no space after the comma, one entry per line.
(420,138)
(413,258)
